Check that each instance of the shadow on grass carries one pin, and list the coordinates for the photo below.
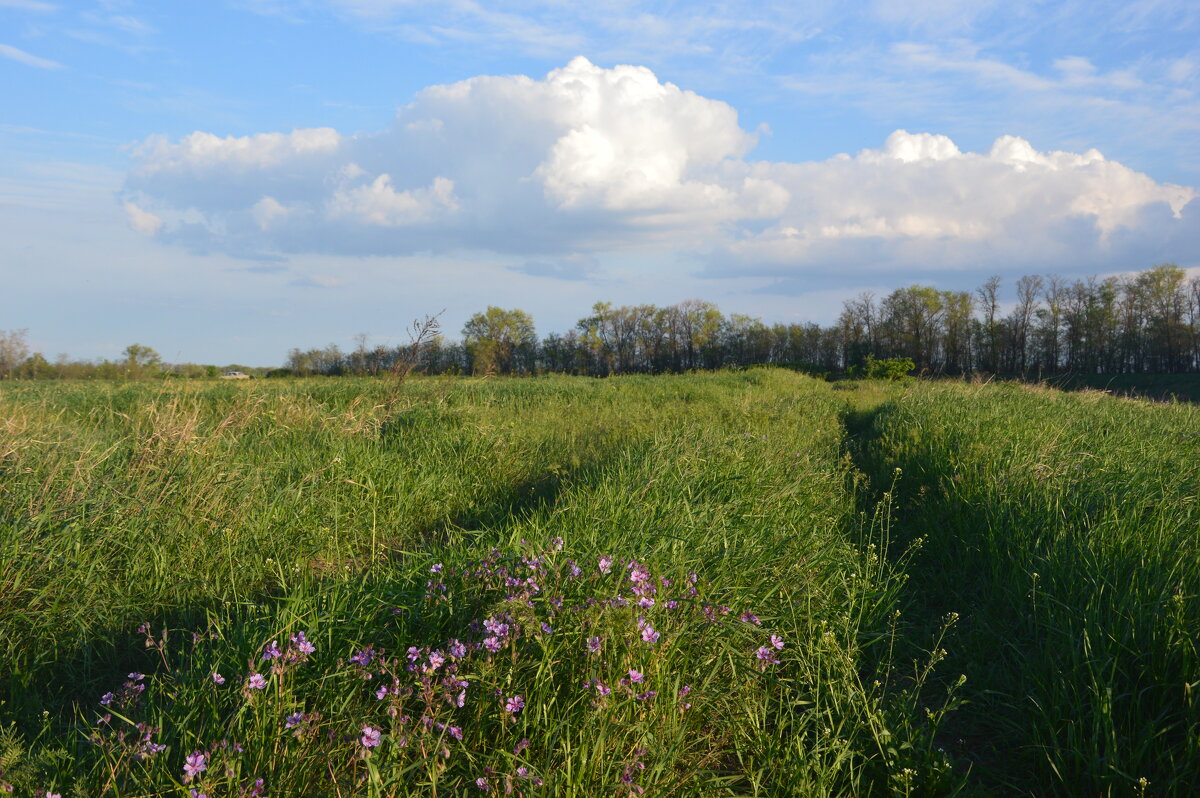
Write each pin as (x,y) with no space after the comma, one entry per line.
(915,513)
(1073,686)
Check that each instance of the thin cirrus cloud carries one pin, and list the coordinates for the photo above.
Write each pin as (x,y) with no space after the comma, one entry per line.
(589,161)
(35,6)
(28,59)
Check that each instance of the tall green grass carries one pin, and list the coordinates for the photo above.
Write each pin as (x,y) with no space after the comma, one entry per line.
(1064,529)
(226,518)
(1042,544)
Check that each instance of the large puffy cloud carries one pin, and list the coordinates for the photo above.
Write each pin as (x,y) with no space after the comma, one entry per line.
(584,159)
(591,160)
(920,203)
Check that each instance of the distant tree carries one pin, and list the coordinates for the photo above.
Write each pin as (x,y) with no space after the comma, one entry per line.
(912,323)
(360,358)
(989,303)
(699,327)
(858,328)
(1050,322)
(36,367)
(956,355)
(497,340)
(1163,291)
(1192,362)
(299,362)
(1147,321)
(140,361)
(14,348)
(1029,289)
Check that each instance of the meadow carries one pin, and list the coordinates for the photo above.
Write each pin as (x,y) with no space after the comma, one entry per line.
(735,583)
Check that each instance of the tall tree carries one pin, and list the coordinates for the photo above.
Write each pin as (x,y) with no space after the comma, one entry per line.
(1029,289)
(956,326)
(496,338)
(141,361)
(989,303)
(1050,320)
(911,321)
(14,348)
(858,327)
(1163,292)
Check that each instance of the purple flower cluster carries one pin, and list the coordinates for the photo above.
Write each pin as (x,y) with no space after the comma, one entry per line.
(145,745)
(127,694)
(648,634)
(299,650)
(303,646)
(595,684)
(272,651)
(498,630)
(421,690)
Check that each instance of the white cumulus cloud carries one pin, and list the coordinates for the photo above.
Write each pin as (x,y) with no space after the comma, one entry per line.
(378,203)
(589,160)
(920,203)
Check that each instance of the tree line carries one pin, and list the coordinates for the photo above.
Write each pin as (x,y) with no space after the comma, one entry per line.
(18,361)
(1146,322)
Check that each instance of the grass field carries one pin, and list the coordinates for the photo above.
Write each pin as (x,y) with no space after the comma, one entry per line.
(697,585)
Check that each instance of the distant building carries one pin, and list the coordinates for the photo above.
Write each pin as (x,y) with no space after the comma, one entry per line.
(235,375)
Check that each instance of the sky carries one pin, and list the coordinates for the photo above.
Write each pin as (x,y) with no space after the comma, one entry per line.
(226,180)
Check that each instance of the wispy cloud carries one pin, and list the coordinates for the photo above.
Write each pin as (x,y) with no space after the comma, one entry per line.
(29,5)
(317,281)
(123,22)
(742,33)
(28,59)
(965,59)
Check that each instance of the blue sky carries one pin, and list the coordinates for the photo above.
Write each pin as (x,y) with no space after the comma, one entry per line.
(225,180)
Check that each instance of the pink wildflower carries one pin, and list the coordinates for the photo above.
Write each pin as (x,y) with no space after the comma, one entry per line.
(370,736)
(195,764)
